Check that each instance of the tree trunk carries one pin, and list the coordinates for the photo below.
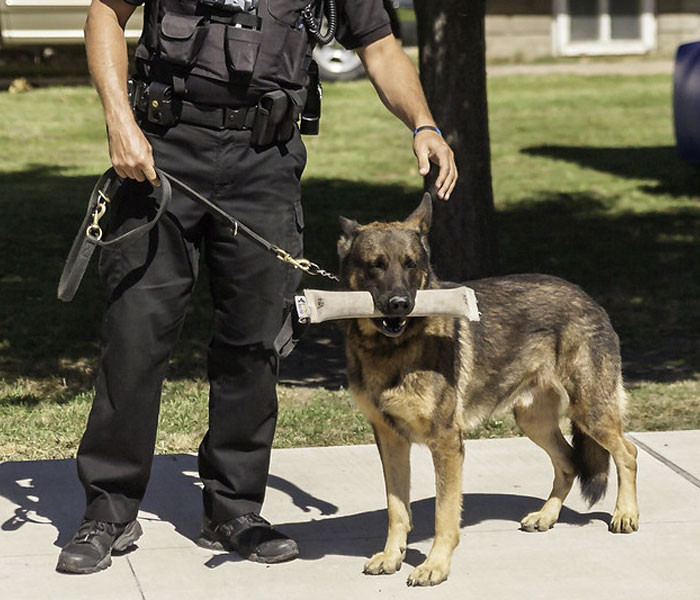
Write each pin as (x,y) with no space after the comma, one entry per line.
(453,73)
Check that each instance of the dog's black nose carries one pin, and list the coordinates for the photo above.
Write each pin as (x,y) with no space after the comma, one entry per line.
(399,304)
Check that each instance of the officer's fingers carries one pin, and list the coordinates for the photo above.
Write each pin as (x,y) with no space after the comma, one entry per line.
(150,174)
(120,171)
(423,162)
(453,183)
(145,160)
(138,175)
(135,171)
(450,180)
(443,158)
(422,152)
(126,170)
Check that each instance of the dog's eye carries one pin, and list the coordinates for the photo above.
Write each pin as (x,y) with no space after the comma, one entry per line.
(409,263)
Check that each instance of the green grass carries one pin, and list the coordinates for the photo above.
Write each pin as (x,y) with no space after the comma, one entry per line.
(587,187)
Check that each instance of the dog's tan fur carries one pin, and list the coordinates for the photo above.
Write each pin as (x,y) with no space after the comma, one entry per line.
(542,346)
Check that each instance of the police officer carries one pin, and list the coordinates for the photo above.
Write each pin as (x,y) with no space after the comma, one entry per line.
(220,85)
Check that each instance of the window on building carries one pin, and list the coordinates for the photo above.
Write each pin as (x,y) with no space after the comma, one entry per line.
(604,27)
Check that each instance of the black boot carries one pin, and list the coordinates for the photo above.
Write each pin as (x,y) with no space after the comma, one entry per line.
(91,548)
(251,536)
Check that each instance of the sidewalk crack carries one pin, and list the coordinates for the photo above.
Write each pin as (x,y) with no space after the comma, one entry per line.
(136,579)
(665,461)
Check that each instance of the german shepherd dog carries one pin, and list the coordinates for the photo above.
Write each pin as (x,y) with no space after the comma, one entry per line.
(542,345)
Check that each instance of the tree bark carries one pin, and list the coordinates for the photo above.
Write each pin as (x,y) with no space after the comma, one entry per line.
(453,73)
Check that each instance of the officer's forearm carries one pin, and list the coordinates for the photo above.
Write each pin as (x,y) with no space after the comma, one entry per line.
(107,57)
(396,81)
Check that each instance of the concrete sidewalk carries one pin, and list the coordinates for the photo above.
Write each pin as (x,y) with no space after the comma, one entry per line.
(332,501)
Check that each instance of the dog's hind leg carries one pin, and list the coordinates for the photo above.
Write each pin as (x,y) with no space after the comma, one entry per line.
(537,414)
(394,451)
(601,426)
(448,457)
(625,518)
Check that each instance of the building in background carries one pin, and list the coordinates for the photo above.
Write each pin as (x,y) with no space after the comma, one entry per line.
(530,29)
(516,30)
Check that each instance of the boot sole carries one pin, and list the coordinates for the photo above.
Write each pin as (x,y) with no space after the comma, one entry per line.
(204,541)
(132,533)
(271,560)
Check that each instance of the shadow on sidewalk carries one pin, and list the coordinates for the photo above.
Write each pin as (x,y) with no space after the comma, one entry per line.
(47,493)
(362,534)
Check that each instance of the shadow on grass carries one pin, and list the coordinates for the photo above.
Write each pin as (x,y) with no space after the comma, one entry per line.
(643,268)
(40,211)
(656,163)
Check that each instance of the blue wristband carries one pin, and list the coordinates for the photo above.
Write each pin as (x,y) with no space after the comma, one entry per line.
(417,130)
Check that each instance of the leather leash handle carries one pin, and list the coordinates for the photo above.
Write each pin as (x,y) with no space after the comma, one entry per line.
(84,245)
(163,195)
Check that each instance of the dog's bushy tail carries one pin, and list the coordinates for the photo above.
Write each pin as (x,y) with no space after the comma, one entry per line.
(592,462)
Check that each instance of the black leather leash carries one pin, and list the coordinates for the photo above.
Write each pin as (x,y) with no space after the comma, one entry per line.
(90,234)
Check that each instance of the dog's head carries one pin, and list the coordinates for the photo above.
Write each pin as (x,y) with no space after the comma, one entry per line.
(389,260)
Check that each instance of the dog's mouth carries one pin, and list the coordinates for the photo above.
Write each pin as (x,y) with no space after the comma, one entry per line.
(390,326)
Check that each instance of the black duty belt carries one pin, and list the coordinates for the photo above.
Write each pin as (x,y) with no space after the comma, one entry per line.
(90,233)
(217,117)
(271,121)
(157,103)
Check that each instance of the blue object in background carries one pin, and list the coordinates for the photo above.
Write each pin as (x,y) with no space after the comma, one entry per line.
(686,101)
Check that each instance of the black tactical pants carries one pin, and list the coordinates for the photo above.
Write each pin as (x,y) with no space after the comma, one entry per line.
(149,284)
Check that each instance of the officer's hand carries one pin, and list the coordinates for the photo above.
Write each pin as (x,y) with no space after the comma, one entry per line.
(131,153)
(429,146)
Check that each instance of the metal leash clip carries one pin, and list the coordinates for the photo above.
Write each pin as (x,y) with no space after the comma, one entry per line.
(303,264)
(94,230)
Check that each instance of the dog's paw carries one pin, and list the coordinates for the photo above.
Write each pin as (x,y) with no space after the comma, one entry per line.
(384,563)
(624,522)
(429,573)
(538,521)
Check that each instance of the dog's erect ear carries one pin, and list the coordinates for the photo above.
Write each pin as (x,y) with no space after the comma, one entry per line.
(423,215)
(349,227)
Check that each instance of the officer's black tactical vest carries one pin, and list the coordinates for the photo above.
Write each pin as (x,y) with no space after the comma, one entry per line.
(217,57)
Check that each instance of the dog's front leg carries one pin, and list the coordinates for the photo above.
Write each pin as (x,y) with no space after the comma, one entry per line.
(448,456)
(394,451)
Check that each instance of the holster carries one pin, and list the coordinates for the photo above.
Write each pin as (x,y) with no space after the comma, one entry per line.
(274,119)
(154,101)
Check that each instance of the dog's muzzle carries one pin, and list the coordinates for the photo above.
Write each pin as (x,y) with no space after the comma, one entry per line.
(391,326)
(395,311)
